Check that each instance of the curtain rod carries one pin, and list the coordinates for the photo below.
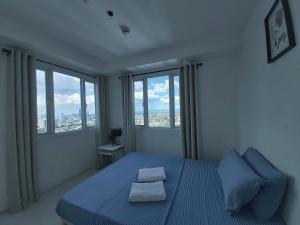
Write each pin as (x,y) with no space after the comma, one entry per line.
(159,71)
(76,71)
(8,52)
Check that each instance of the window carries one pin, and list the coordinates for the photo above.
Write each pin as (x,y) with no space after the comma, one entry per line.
(90,104)
(70,101)
(41,101)
(67,103)
(139,103)
(156,101)
(177,101)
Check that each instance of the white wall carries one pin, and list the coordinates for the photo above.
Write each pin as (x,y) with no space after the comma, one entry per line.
(219,112)
(269,103)
(115,102)
(219,105)
(63,156)
(159,141)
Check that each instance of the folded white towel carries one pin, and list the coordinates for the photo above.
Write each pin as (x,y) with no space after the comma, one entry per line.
(152,174)
(147,192)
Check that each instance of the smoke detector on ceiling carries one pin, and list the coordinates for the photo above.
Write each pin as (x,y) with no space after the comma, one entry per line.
(125,29)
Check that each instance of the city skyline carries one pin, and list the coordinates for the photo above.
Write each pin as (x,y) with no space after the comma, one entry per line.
(157,119)
(66,122)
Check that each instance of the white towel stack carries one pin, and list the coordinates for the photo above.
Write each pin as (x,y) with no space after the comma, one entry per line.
(151,175)
(149,192)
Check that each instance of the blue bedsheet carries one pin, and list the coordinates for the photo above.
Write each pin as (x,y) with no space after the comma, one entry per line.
(103,199)
(194,196)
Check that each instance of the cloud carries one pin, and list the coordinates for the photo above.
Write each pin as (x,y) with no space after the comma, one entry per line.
(161,87)
(65,85)
(158,90)
(60,99)
(65,100)
(138,95)
(164,100)
(138,86)
(41,101)
(158,93)
(152,95)
(90,99)
(176,84)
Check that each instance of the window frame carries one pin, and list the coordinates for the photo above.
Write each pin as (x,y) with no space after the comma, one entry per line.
(174,115)
(144,105)
(46,100)
(50,107)
(144,78)
(84,92)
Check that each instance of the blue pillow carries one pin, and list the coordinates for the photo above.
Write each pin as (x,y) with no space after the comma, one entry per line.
(239,182)
(266,203)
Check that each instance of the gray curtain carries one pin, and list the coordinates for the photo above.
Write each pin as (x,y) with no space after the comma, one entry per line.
(128,114)
(102,109)
(189,111)
(21,130)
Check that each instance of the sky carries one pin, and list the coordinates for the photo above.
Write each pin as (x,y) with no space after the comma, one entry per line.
(66,94)
(41,97)
(158,94)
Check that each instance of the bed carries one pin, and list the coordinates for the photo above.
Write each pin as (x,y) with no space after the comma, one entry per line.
(194,196)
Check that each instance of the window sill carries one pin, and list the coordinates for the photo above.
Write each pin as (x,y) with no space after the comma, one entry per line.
(158,128)
(68,133)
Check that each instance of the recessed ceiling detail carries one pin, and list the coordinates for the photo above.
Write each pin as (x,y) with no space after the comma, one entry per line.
(161,29)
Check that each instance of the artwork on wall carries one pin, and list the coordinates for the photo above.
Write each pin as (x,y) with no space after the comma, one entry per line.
(279,30)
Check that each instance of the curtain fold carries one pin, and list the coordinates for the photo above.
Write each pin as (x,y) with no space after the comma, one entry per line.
(21,130)
(190,111)
(128,114)
(103,110)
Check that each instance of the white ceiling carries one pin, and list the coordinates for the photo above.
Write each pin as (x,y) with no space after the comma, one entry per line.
(82,33)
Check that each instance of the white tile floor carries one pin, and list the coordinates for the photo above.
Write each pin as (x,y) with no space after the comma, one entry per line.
(43,212)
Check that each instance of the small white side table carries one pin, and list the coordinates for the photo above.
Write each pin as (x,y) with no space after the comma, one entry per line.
(110,151)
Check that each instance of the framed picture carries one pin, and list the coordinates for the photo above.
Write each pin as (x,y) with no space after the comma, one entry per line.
(279,30)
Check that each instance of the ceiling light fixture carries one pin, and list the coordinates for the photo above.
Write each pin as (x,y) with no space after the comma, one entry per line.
(110,13)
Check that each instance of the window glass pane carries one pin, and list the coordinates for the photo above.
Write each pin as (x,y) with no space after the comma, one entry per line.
(139,103)
(41,101)
(177,101)
(67,103)
(158,101)
(90,104)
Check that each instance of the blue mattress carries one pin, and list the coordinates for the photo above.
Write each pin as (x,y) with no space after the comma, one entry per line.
(194,196)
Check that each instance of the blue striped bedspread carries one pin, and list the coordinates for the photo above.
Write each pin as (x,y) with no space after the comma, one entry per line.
(194,196)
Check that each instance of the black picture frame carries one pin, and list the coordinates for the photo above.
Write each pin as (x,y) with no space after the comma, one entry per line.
(289,29)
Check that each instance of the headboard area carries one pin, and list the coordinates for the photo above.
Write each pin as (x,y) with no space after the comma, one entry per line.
(286,163)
